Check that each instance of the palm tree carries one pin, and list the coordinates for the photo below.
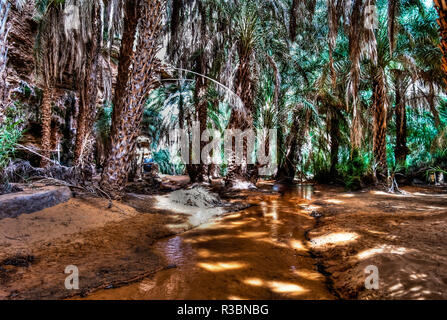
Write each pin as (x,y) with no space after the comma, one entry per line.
(441,7)
(89,86)
(4,11)
(416,71)
(68,47)
(136,77)
(242,115)
(379,106)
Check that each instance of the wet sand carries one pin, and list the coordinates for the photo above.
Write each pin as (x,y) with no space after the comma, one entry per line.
(305,245)
(300,243)
(257,253)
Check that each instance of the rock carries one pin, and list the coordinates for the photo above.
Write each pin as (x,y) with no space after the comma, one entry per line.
(15,204)
(196,197)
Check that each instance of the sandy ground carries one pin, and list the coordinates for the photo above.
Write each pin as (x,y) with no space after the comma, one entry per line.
(110,246)
(404,236)
(305,245)
(290,245)
(257,253)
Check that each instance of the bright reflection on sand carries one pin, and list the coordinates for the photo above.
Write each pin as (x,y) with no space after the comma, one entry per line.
(222,266)
(205,253)
(207,238)
(252,234)
(382,193)
(347,195)
(146,286)
(381,249)
(236,298)
(297,245)
(286,287)
(277,286)
(310,275)
(254,282)
(333,201)
(334,238)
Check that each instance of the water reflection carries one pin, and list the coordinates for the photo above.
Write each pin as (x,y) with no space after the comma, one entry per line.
(303,191)
(257,253)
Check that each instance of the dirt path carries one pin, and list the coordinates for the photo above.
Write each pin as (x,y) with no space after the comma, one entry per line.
(257,253)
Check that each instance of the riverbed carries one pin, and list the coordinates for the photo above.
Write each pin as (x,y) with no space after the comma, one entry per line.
(293,242)
(257,253)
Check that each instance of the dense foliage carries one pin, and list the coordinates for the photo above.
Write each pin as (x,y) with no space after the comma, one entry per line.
(354,102)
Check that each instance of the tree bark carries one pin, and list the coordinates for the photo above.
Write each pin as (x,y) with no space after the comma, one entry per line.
(380,128)
(287,170)
(46,117)
(199,172)
(88,92)
(441,7)
(293,19)
(4,94)
(334,133)
(400,150)
(132,88)
(242,119)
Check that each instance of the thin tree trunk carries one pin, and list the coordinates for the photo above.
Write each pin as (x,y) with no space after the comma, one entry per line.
(201,170)
(441,7)
(4,28)
(380,128)
(241,119)
(432,106)
(46,116)
(293,19)
(287,170)
(134,87)
(335,142)
(400,150)
(88,93)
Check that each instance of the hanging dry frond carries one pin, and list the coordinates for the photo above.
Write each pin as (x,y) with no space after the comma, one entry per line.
(393,11)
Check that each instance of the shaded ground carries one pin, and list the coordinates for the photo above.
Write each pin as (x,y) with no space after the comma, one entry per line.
(405,236)
(110,247)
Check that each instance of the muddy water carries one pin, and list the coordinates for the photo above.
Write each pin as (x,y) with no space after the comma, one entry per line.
(257,253)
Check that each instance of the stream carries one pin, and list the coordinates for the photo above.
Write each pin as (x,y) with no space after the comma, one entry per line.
(258,253)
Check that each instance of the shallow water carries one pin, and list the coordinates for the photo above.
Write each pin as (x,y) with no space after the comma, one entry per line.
(258,253)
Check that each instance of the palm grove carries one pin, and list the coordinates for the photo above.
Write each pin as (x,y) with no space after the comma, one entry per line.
(352,102)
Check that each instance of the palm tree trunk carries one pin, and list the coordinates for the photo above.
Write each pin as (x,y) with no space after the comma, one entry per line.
(4,29)
(133,86)
(400,150)
(200,171)
(241,119)
(88,92)
(46,116)
(441,7)
(287,170)
(335,142)
(293,19)
(380,128)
